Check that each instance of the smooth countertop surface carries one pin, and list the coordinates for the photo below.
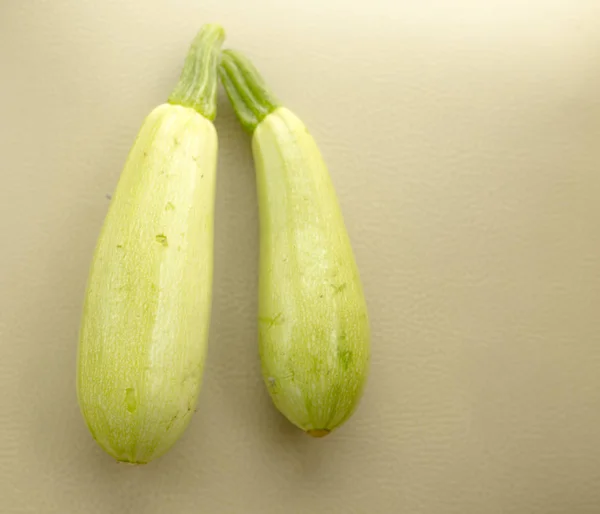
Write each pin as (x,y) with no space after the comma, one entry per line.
(463,141)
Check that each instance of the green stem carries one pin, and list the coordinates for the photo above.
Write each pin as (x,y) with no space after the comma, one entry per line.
(197,86)
(246,89)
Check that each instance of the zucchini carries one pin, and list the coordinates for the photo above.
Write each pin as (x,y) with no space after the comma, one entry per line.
(145,323)
(314,335)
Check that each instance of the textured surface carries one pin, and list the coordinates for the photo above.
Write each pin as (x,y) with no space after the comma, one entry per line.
(314,337)
(462,138)
(144,327)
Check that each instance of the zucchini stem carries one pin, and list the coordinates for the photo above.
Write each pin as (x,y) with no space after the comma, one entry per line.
(197,86)
(251,99)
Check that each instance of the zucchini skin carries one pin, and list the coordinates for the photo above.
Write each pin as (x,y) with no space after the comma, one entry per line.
(314,334)
(143,337)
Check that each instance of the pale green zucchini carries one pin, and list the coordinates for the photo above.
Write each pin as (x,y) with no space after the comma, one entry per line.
(313,325)
(146,316)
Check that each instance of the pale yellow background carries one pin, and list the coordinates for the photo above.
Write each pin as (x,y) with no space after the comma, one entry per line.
(463,138)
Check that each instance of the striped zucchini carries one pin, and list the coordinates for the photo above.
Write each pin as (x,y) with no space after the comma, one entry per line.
(146,315)
(313,324)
